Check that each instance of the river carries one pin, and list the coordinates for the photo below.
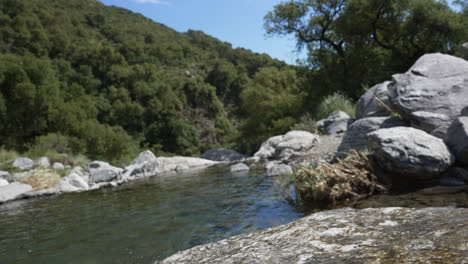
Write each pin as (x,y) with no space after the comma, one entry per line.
(141,221)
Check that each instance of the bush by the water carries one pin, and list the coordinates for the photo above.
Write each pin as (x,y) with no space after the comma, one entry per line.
(327,184)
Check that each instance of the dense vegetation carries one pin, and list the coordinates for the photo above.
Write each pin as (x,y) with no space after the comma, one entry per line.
(113,82)
(77,76)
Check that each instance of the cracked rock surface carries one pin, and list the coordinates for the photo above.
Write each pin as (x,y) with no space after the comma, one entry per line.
(383,235)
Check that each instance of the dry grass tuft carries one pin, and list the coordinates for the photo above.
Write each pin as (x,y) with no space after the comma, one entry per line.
(42,179)
(329,184)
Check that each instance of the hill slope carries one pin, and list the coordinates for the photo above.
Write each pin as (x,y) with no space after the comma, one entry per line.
(112,82)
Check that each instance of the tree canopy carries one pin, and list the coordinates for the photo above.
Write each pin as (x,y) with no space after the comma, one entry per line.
(362,42)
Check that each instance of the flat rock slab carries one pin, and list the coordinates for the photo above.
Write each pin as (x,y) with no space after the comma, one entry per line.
(384,235)
(13,190)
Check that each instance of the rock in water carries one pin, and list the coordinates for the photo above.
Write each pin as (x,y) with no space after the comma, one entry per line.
(23,163)
(238,167)
(222,154)
(355,137)
(410,152)
(432,93)
(13,190)
(383,235)
(457,139)
(374,102)
(279,169)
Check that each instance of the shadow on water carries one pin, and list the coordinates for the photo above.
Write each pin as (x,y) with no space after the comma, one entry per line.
(142,221)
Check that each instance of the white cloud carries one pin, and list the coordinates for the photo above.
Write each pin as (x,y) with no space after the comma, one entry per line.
(157,2)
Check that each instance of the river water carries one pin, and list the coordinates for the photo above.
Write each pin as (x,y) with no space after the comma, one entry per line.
(142,221)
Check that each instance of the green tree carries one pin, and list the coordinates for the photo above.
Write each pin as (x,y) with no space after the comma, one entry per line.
(355,42)
(272,102)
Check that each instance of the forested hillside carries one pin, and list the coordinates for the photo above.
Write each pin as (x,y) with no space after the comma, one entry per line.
(112,81)
(77,76)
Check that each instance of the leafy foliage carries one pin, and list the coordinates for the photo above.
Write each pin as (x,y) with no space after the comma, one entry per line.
(357,42)
(110,82)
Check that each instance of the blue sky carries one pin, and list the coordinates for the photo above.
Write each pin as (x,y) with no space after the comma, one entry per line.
(239,22)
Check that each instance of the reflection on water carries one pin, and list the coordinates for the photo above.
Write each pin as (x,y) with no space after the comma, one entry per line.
(142,221)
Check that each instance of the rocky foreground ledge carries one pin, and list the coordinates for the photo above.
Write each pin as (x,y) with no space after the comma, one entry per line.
(384,235)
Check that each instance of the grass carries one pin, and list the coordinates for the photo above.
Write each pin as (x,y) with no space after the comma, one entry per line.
(335,102)
(328,185)
(42,179)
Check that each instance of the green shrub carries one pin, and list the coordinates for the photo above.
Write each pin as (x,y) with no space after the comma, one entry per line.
(306,123)
(7,155)
(51,143)
(332,103)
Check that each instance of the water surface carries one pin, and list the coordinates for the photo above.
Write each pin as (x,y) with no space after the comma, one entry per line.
(142,221)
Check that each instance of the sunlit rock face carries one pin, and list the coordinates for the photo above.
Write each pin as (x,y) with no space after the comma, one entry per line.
(384,235)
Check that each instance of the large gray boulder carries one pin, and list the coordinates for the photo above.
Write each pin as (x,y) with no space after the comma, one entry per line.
(222,154)
(374,235)
(374,102)
(336,123)
(355,137)
(101,171)
(13,191)
(293,143)
(410,152)
(23,163)
(457,139)
(432,93)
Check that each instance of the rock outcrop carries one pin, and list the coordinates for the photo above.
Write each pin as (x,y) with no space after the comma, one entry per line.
(396,235)
(457,139)
(355,137)
(222,154)
(410,152)
(433,93)
(375,102)
(293,143)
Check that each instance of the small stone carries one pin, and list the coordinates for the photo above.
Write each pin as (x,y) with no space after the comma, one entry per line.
(58,166)
(279,169)
(238,167)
